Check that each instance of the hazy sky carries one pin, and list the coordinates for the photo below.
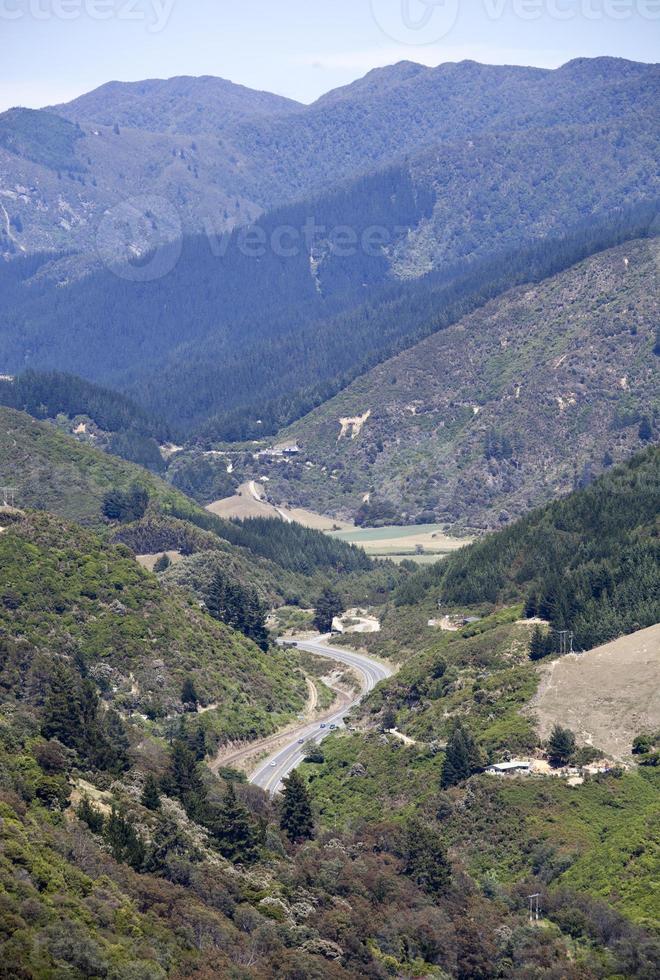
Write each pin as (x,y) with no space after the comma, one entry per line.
(53,50)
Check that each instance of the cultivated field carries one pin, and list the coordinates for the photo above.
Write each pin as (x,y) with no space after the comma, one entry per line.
(606,696)
(423,542)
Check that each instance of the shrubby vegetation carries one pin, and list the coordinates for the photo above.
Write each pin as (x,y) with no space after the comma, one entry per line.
(66,592)
(203,479)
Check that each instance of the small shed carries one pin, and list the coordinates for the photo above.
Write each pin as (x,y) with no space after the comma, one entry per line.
(507,768)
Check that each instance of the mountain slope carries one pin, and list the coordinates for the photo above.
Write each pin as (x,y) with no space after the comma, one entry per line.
(171,153)
(586,563)
(239,332)
(286,563)
(183,105)
(49,470)
(69,595)
(512,405)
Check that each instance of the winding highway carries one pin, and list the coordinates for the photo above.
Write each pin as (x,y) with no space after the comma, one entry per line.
(273,770)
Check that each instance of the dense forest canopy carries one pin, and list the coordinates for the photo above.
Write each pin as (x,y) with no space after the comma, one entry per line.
(589,563)
(262,369)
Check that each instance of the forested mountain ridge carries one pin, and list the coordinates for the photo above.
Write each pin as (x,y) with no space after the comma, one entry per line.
(588,563)
(523,400)
(95,415)
(268,337)
(182,105)
(283,153)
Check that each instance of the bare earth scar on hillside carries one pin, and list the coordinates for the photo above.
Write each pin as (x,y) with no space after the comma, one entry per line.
(606,696)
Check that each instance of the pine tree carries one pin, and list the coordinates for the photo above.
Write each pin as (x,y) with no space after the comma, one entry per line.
(531,606)
(185,782)
(540,644)
(462,757)
(328,606)
(162,563)
(426,858)
(388,720)
(296,818)
(63,709)
(106,737)
(89,815)
(561,746)
(645,430)
(188,691)
(240,608)
(125,843)
(151,793)
(234,830)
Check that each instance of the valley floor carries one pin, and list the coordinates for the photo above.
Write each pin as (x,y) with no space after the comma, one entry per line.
(249,501)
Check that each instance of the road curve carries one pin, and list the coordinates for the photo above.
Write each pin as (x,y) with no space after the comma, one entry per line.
(272,770)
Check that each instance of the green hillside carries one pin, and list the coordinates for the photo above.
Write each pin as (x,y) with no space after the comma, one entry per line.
(523,400)
(588,563)
(122,857)
(577,845)
(50,470)
(68,595)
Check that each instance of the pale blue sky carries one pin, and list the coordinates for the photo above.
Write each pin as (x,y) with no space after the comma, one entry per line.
(53,50)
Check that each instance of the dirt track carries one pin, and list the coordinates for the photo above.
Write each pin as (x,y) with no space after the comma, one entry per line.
(606,696)
(248,502)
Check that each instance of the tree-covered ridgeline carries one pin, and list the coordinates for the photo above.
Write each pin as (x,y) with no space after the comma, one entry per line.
(588,563)
(128,430)
(253,351)
(293,546)
(47,394)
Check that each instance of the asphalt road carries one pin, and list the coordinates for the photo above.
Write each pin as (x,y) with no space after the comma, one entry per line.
(272,771)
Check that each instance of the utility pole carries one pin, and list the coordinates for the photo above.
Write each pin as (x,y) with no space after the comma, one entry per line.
(534,907)
(565,641)
(8,496)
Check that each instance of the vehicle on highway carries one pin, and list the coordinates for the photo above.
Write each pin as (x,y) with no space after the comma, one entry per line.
(272,765)
(301,741)
(333,728)
(323,725)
